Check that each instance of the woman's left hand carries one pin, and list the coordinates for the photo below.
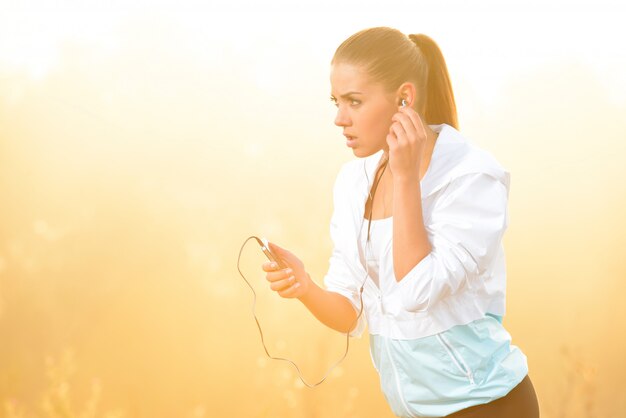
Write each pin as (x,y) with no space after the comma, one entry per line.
(406,140)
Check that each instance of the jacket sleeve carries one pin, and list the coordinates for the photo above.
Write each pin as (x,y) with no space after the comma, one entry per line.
(340,278)
(465,232)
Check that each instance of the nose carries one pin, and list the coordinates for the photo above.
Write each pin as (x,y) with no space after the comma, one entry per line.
(342,118)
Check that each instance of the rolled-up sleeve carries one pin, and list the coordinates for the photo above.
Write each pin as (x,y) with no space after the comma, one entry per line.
(339,278)
(465,232)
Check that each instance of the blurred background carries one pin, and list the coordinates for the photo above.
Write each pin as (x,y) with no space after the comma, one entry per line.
(142,144)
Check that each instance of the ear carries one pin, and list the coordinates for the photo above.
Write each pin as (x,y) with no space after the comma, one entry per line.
(407,92)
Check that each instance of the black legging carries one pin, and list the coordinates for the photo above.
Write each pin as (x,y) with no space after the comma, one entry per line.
(520,402)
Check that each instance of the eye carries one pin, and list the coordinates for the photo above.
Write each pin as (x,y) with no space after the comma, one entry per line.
(354,102)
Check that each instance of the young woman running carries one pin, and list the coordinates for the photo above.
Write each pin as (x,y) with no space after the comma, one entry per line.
(429,267)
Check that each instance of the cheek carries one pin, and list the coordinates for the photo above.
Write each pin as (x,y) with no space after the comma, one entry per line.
(377,124)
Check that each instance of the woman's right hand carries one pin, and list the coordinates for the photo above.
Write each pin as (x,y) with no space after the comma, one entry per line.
(291,282)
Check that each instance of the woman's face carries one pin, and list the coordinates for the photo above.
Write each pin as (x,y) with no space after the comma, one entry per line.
(364,109)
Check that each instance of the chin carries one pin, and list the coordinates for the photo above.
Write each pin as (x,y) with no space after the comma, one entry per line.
(362,153)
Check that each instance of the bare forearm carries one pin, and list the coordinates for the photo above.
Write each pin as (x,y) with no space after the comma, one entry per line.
(330,308)
(410,241)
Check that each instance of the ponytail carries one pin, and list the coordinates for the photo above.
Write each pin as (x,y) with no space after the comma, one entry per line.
(439,105)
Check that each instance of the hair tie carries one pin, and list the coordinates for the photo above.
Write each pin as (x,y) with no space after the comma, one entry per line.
(417,41)
(415,38)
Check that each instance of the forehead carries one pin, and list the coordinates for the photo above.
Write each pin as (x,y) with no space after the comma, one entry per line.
(348,77)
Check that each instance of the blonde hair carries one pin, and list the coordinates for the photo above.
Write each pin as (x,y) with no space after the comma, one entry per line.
(392,58)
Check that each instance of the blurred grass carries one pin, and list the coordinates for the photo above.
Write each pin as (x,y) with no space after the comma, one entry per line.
(56,401)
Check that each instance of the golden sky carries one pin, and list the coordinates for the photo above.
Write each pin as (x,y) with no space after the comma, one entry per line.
(142,142)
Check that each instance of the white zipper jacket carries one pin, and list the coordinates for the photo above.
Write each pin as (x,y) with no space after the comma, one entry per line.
(464,204)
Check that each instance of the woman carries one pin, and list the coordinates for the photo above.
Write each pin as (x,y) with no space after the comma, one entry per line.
(429,268)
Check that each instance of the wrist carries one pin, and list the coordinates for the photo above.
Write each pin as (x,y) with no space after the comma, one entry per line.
(401,181)
(307,287)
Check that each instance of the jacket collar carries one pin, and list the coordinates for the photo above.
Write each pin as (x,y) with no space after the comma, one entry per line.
(453,155)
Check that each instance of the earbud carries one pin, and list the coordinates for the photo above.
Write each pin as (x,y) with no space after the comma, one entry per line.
(403,102)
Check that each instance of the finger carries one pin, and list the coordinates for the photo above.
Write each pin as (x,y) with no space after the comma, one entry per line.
(267,266)
(403,118)
(273,276)
(400,133)
(416,120)
(392,141)
(290,291)
(278,252)
(405,122)
(392,133)
(272,266)
(283,284)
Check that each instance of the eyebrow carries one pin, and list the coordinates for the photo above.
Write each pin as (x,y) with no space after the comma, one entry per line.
(348,94)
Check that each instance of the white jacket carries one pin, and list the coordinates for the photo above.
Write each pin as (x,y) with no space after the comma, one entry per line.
(464,203)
